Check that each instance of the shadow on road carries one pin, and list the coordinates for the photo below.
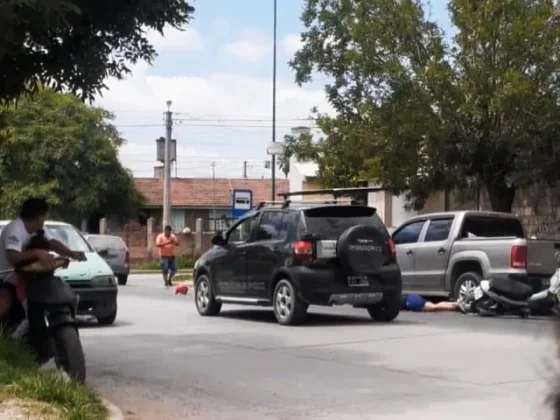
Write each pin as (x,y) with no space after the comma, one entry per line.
(312,320)
(85,323)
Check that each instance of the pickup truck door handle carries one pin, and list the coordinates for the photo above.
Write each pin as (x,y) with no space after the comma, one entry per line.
(441,251)
(409,252)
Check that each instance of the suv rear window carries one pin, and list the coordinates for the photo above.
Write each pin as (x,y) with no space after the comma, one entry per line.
(331,222)
(492,227)
(106,242)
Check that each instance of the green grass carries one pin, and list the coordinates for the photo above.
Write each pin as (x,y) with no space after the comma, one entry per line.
(21,378)
(184,262)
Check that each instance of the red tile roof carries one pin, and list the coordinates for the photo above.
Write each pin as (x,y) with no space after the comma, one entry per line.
(198,192)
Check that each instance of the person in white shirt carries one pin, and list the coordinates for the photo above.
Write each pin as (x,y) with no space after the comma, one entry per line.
(14,239)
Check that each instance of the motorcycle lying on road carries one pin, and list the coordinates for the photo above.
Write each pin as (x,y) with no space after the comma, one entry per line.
(510,297)
(51,313)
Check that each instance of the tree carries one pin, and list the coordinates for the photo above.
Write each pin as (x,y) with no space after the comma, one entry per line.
(57,147)
(75,45)
(418,113)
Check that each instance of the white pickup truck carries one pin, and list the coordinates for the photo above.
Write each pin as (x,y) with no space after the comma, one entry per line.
(449,253)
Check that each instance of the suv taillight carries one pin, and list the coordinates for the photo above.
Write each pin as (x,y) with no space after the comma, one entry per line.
(303,250)
(392,249)
(518,256)
(127,257)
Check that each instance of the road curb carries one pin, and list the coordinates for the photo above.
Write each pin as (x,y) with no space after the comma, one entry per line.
(115,412)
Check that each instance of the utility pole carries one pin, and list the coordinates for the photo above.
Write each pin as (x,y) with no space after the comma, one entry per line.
(214,193)
(167,166)
(274,101)
(245,169)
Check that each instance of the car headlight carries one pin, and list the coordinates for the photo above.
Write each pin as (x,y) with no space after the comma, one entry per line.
(103,281)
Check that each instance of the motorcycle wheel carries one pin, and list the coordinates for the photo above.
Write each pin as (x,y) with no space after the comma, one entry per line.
(69,353)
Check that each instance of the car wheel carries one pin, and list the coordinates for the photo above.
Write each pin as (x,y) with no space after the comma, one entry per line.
(388,309)
(206,303)
(122,280)
(465,284)
(108,319)
(288,308)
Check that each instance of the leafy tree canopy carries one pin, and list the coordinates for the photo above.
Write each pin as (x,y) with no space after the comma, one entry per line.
(76,44)
(418,111)
(57,147)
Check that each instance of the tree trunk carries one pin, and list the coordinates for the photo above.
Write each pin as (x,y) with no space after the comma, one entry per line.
(501,195)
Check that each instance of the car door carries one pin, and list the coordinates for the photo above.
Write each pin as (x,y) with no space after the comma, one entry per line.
(432,254)
(265,254)
(230,262)
(406,241)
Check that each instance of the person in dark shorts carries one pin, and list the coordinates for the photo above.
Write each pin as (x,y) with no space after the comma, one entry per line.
(416,303)
(166,242)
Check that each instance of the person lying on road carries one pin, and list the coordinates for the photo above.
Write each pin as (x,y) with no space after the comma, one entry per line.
(416,303)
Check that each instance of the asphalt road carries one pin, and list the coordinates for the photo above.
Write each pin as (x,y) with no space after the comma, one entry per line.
(163,361)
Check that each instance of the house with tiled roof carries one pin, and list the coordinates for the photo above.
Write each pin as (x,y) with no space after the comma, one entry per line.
(205,198)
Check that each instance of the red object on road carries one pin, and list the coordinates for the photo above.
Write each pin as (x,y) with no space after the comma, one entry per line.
(181,289)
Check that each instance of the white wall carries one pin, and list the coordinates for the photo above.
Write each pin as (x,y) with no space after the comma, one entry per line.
(377,200)
(295,178)
(400,214)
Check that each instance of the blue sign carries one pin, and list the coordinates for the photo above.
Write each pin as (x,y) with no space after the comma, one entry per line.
(242,202)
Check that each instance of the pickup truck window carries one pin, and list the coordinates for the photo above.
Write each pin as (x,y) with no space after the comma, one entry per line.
(491,227)
(409,234)
(438,230)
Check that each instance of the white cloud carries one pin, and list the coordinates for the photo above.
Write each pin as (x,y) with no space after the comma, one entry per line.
(187,40)
(215,94)
(222,98)
(291,43)
(251,47)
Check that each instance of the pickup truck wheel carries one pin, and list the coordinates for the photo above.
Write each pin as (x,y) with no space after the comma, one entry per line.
(388,309)
(465,283)
(288,308)
(206,303)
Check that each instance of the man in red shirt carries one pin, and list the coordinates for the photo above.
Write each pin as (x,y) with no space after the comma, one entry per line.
(166,242)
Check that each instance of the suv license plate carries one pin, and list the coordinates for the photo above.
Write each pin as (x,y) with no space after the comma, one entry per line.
(358,281)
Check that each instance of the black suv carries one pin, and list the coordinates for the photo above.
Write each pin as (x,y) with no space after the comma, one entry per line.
(296,254)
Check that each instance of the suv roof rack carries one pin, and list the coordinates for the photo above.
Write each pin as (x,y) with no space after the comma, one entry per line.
(269,203)
(286,203)
(336,192)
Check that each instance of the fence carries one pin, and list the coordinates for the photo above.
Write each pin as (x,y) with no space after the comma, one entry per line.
(141,239)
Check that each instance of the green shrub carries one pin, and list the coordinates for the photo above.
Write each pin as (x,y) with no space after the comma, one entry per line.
(21,378)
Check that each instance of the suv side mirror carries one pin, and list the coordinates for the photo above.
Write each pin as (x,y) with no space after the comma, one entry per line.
(218,240)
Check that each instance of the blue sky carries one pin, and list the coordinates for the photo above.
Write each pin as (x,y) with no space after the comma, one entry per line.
(218,73)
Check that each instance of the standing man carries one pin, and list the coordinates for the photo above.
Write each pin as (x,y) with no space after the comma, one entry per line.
(166,242)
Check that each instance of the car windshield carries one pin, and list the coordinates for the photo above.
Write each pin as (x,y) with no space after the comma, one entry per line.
(330,222)
(69,236)
(106,242)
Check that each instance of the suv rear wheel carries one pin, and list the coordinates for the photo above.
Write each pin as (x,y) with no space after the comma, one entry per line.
(288,308)
(388,309)
(206,303)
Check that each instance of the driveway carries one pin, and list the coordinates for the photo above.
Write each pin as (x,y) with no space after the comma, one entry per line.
(163,361)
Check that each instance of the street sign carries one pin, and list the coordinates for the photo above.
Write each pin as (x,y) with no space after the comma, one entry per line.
(275,148)
(242,202)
